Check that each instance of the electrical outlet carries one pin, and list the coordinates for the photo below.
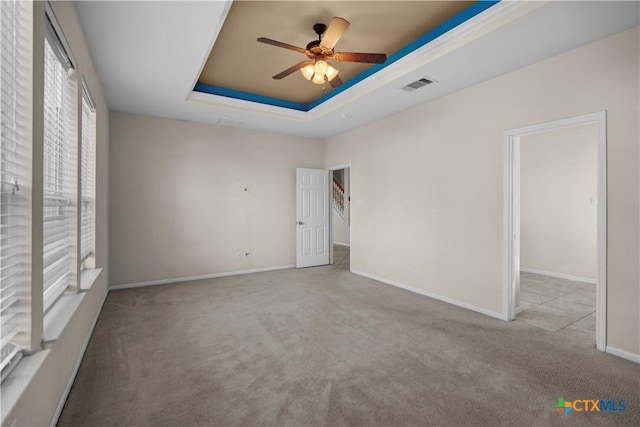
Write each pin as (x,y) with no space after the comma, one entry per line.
(247,254)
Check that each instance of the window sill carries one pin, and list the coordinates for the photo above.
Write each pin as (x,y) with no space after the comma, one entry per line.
(59,316)
(55,322)
(88,277)
(17,382)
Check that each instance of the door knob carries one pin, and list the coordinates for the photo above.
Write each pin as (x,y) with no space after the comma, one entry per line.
(300,223)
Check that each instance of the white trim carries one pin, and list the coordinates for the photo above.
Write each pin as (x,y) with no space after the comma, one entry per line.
(201,277)
(511,139)
(508,291)
(342,244)
(601,287)
(559,275)
(623,354)
(72,378)
(338,167)
(217,27)
(431,295)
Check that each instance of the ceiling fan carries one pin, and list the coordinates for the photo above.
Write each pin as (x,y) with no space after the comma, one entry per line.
(316,68)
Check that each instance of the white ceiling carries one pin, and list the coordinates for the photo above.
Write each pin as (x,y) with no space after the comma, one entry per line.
(150,53)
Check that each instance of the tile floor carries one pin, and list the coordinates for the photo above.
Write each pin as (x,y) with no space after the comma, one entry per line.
(561,306)
(341,257)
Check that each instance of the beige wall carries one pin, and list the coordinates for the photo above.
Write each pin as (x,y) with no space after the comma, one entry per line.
(449,220)
(558,205)
(177,202)
(340,229)
(341,233)
(40,400)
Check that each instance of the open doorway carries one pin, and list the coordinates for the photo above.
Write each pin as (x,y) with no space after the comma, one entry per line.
(341,216)
(555,210)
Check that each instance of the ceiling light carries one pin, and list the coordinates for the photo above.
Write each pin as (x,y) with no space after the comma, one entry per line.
(308,71)
(319,72)
(321,67)
(331,73)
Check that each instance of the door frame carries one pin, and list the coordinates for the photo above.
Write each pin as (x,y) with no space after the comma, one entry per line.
(331,169)
(511,195)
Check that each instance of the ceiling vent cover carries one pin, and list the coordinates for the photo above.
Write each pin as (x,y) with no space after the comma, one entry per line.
(417,84)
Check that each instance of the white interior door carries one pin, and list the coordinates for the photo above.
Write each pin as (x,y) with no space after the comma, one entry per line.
(312,213)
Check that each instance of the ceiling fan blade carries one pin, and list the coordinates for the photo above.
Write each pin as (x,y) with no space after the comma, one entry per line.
(280,44)
(291,70)
(336,28)
(335,82)
(369,58)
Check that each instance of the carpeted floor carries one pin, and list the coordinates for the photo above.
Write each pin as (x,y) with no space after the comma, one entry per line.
(324,347)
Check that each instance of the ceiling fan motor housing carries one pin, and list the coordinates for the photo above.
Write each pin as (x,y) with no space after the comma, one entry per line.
(319,29)
(312,44)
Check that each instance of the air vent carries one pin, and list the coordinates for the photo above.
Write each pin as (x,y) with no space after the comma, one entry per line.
(417,84)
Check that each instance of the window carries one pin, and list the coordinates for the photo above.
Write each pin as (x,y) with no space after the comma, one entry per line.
(57,184)
(87,178)
(15,157)
(64,237)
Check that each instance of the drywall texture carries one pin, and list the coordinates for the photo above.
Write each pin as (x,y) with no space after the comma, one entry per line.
(558,205)
(47,388)
(444,213)
(177,205)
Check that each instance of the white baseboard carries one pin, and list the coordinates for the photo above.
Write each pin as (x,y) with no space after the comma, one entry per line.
(432,295)
(623,354)
(201,277)
(558,275)
(76,367)
(342,244)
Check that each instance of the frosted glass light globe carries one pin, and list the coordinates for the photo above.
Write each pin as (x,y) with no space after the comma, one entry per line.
(321,68)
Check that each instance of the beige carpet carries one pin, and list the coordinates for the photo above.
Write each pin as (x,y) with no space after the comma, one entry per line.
(324,347)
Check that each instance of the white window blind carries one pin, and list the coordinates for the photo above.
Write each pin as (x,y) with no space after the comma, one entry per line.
(14,167)
(56,185)
(87,178)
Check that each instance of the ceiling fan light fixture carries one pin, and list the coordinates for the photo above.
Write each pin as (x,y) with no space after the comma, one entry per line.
(317,69)
(308,71)
(318,79)
(321,67)
(331,73)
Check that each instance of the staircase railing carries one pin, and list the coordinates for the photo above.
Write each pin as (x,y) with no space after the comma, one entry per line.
(338,198)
